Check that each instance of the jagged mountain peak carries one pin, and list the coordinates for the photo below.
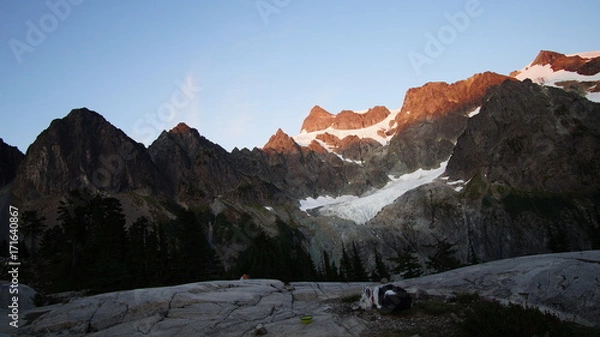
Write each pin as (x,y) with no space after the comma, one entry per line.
(317,119)
(281,142)
(182,139)
(83,113)
(441,97)
(584,64)
(84,150)
(182,128)
(579,72)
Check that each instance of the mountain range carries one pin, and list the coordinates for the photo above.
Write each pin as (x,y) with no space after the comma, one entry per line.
(490,167)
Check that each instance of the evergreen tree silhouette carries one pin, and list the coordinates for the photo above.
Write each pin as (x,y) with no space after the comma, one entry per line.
(32,226)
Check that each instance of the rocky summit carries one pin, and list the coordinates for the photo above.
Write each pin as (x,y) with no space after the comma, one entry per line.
(562,284)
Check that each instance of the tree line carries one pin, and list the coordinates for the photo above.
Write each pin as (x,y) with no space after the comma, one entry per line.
(91,248)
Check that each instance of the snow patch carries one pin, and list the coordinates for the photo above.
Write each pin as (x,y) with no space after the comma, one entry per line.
(305,138)
(587,55)
(364,208)
(594,97)
(474,112)
(546,76)
(458,184)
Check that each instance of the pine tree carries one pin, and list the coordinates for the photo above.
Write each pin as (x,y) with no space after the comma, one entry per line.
(345,266)
(381,270)
(143,253)
(408,265)
(75,222)
(359,274)
(32,226)
(443,259)
(330,272)
(95,229)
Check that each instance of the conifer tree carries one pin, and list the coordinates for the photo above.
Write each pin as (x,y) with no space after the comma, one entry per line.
(444,257)
(359,274)
(345,266)
(330,272)
(408,265)
(381,270)
(32,226)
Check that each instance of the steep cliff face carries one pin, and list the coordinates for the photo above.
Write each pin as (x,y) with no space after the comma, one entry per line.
(521,180)
(10,158)
(431,119)
(532,138)
(197,169)
(439,98)
(303,171)
(83,150)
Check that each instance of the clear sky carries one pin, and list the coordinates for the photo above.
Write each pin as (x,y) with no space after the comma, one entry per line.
(239,69)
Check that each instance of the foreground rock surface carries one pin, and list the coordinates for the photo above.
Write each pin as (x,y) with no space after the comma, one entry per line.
(565,284)
(219,308)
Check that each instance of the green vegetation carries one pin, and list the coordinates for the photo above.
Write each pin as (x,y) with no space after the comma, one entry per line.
(554,210)
(491,319)
(469,315)
(352,267)
(281,257)
(443,259)
(92,249)
(408,265)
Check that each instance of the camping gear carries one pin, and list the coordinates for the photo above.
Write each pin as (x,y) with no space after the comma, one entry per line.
(387,298)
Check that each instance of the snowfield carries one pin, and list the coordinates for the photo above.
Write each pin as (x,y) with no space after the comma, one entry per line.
(361,209)
(544,75)
(305,138)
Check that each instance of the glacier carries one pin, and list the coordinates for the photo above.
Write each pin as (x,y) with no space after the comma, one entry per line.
(361,209)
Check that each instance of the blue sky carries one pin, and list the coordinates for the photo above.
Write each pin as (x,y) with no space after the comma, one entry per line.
(239,69)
